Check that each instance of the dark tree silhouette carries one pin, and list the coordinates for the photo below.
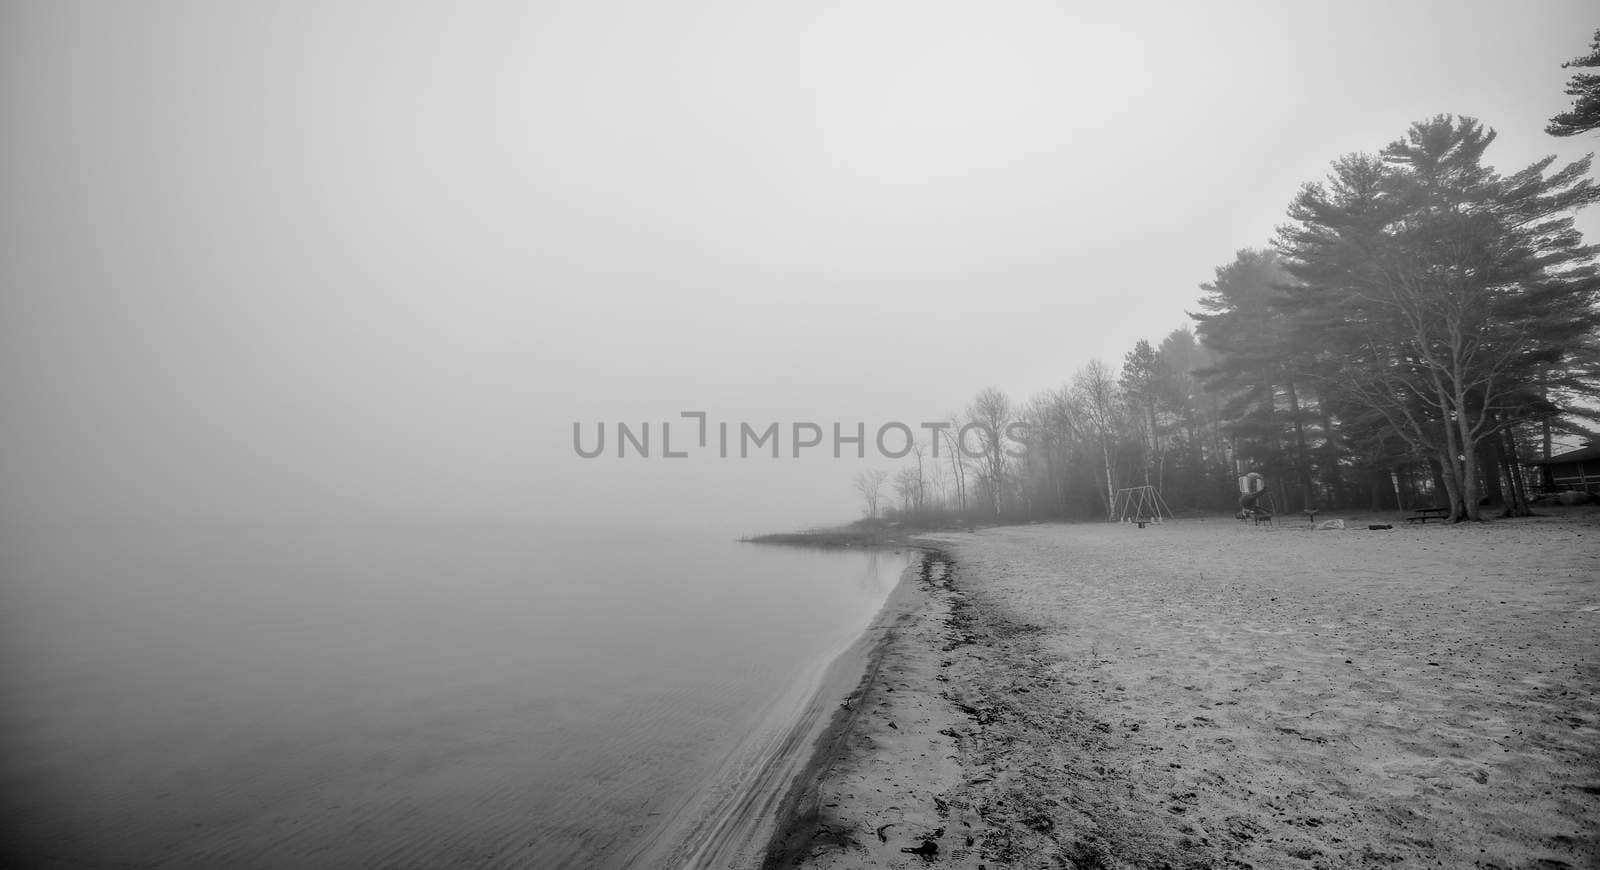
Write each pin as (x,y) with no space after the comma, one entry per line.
(1439,293)
(1584,88)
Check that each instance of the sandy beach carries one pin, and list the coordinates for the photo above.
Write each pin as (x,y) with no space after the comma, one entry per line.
(1207,693)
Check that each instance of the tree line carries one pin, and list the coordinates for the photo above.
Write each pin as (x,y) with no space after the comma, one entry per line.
(1419,326)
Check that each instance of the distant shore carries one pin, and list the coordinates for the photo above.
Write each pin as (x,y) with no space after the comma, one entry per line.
(1210,693)
(857,534)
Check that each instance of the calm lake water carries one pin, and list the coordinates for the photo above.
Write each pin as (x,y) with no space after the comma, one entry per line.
(396,696)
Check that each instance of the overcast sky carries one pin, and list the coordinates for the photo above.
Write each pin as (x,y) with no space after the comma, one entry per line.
(334,261)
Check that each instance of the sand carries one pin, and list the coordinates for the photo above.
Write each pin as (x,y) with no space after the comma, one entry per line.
(1208,693)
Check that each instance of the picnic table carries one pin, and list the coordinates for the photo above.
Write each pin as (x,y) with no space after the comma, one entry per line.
(1422,515)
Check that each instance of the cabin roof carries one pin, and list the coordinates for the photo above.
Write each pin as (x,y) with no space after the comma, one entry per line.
(1582,454)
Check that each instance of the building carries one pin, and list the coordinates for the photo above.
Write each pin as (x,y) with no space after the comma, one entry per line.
(1575,469)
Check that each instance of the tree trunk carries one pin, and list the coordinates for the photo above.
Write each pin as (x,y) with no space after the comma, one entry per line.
(957,471)
(1437,469)
(1490,461)
(1111,486)
(1332,476)
(1517,500)
(1156,458)
(1467,449)
(1302,458)
(1544,425)
(1450,476)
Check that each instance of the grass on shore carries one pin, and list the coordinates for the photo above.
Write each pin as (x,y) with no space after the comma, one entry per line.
(869,532)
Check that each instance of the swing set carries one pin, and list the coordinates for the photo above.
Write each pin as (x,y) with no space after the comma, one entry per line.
(1140,504)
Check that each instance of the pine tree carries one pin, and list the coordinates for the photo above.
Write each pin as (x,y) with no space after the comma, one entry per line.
(1260,367)
(1584,88)
(1143,373)
(1440,293)
(1200,474)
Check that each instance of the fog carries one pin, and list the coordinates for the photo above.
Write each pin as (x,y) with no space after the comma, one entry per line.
(302,262)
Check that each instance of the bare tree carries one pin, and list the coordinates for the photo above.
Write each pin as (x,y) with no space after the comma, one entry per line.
(1050,423)
(921,500)
(958,464)
(1095,391)
(907,483)
(870,484)
(988,416)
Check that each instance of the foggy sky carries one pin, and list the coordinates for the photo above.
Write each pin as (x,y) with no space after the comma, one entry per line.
(344,261)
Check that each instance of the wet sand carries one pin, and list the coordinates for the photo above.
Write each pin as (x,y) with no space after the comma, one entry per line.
(1206,693)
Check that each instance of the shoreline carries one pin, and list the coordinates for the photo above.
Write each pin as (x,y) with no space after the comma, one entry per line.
(795,822)
(739,831)
(1209,693)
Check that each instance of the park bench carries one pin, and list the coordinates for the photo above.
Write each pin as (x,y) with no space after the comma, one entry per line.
(1422,515)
